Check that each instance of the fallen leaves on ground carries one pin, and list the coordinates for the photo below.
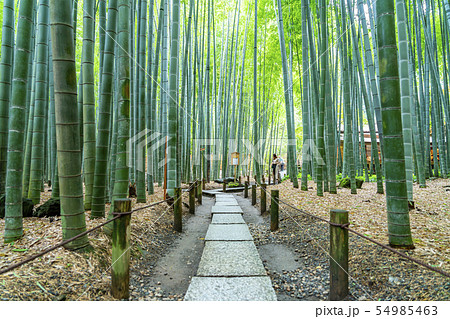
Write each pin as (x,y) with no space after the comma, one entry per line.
(71,275)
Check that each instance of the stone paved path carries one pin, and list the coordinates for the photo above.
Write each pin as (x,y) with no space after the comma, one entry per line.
(230,268)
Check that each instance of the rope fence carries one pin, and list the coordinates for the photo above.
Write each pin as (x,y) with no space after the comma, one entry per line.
(346,226)
(50,249)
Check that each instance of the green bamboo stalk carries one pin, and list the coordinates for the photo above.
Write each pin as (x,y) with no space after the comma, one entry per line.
(150,115)
(123,119)
(184,96)
(224,117)
(173,98)
(5,84)
(405,94)
(88,101)
(396,190)
(289,115)
(153,106)
(256,150)
(52,129)
(102,148)
(74,21)
(305,101)
(447,11)
(67,125)
(114,116)
(321,120)
(374,86)
(30,101)
(225,128)
(207,98)
(41,104)
(369,107)
(133,90)
(330,120)
(29,133)
(140,169)
(16,124)
(101,4)
(348,142)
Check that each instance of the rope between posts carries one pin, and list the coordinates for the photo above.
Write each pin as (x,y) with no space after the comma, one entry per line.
(346,226)
(151,226)
(46,251)
(147,206)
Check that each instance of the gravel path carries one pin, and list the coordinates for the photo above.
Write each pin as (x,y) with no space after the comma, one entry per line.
(166,274)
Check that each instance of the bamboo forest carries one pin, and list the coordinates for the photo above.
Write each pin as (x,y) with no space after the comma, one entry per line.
(211,150)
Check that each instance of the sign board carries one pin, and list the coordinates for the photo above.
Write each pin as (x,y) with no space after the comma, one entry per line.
(234,159)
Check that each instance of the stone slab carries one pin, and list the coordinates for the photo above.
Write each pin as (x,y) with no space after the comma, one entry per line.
(225,199)
(234,189)
(227,219)
(230,289)
(230,258)
(232,232)
(229,203)
(222,196)
(225,202)
(226,209)
(211,193)
(219,191)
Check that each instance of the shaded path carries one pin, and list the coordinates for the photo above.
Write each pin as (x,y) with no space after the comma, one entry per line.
(230,268)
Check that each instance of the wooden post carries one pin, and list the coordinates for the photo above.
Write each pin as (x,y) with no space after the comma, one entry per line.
(245,189)
(239,179)
(165,170)
(248,179)
(338,255)
(120,269)
(192,198)
(224,187)
(199,192)
(274,194)
(263,198)
(204,184)
(195,189)
(254,194)
(178,210)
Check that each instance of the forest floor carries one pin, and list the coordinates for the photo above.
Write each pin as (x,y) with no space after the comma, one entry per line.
(375,272)
(71,275)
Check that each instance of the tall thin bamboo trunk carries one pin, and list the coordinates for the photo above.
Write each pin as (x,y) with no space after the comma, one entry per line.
(5,84)
(67,125)
(16,124)
(41,104)
(173,101)
(123,119)
(88,101)
(140,149)
(396,190)
(102,146)
(289,120)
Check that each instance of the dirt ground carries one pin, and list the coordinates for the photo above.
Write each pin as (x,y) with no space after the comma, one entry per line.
(295,257)
(374,272)
(430,220)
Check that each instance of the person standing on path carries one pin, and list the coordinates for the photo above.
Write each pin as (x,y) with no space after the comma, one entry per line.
(275,168)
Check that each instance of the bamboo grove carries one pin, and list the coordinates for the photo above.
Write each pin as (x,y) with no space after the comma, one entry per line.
(96,95)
